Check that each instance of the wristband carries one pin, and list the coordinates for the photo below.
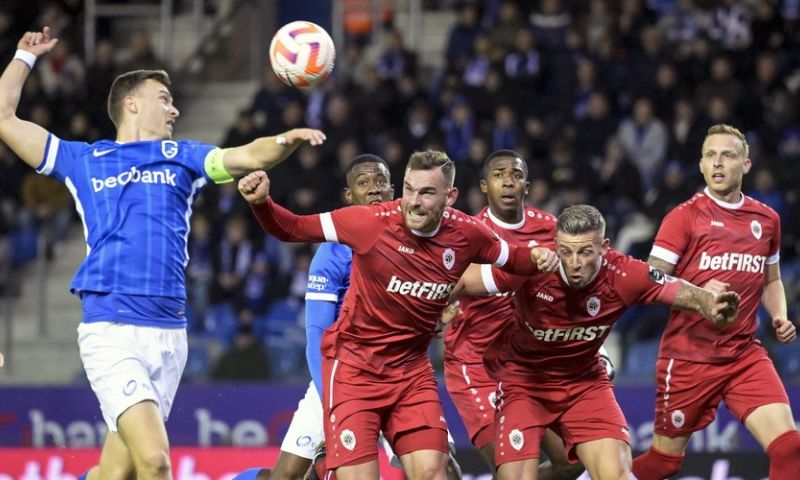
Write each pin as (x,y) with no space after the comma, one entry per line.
(26,57)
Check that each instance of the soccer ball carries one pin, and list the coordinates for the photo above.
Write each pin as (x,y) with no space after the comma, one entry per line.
(302,54)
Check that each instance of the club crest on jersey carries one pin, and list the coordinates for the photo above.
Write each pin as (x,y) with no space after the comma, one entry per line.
(593,306)
(516,439)
(449,258)
(169,148)
(755,227)
(348,439)
(678,418)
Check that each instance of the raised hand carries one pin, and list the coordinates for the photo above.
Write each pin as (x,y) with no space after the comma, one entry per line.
(38,43)
(785,330)
(310,135)
(725,309)
(254,187)
(545,259)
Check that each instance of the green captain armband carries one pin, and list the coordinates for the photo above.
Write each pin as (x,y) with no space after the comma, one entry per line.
(215,168)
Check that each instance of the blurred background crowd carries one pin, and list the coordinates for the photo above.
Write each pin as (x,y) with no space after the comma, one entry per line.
(607,100)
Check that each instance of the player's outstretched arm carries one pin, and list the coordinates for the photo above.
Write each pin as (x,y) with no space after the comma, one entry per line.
(660,264)
(26,139)
(266,152)
(719,308)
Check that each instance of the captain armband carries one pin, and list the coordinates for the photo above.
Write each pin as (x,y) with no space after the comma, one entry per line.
(215,167)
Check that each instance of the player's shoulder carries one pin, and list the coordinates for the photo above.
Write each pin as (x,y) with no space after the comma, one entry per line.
(695,203)
(762,208)
(389,209)
(618,263)
(462,222)
(539,218)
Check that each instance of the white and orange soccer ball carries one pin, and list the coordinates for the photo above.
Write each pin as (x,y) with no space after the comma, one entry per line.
(302,54)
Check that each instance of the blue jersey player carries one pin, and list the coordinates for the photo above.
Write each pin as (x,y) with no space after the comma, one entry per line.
(134,196)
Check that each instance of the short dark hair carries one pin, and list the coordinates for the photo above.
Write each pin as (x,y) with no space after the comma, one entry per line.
(579,219)
(126,83)
(364,158)
(504,153)
(433,159)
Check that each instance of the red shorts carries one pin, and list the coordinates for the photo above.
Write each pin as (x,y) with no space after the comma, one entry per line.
(578,412)
(358,405)
(473,392)
(688,393)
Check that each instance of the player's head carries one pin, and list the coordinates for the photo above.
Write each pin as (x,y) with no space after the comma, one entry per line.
(725,160)
(368,181)
(142,99)
(427,189)
(505,183)
(580,242)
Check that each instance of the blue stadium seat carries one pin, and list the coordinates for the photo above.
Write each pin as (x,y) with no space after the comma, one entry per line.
(24,246)
(787,359)
(198,362)
(287,360)
(640,361)
(221,322)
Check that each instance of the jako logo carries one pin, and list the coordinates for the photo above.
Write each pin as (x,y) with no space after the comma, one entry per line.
(429,290)
(134,175)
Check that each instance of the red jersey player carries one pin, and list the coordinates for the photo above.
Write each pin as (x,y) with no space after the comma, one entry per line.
(547,364)
(729,239)
(407,256)
(505,183)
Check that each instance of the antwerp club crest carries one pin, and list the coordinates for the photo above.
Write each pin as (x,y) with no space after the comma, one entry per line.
(449,258)
(348,439)
(593,306)
(755,227)
(516,439)
(678,418)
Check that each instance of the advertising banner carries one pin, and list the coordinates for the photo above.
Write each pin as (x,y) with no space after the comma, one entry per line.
(257,415)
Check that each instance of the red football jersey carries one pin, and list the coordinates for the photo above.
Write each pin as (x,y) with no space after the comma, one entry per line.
(400,280)
(483,317)
(558,329)
(706,239)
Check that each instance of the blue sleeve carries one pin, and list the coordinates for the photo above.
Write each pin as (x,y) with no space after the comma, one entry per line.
(328,279)
(319,316)
(198,152)
(59,157)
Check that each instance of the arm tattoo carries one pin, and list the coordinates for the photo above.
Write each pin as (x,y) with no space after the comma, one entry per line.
(694,299)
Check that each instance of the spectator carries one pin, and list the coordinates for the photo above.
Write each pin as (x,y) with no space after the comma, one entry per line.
(244,361)
(644,139)
(462,37)
(396,60)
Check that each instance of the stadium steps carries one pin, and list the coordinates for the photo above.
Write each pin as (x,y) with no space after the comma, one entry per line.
(51,357)
(209,109)
(435,28)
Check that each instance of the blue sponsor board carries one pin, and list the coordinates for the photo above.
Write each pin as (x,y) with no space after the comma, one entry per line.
(259,414)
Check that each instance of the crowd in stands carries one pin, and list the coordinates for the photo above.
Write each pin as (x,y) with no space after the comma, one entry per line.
(608,101)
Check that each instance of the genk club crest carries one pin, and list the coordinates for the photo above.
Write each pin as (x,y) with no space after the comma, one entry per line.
(593,306)
(169,148)
(449,258)
(755,227)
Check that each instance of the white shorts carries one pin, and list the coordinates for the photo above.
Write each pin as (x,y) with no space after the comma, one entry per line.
(305,432)
(127,364)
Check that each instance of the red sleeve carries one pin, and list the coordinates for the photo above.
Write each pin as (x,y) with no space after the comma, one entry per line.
(775,242)
(637,282)
(498,281)
(354,226)
(673,235)
(494,250)
(285,225)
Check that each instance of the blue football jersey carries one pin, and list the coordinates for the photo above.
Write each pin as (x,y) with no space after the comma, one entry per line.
(135,201)
(329,274)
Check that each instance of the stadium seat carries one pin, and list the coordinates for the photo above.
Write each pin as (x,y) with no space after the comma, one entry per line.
(287,360)
(640,361)
(221,322)
(787,360)
(198,362)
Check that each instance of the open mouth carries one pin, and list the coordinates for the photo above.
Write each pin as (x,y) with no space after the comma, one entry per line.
(718,177)
(508,198)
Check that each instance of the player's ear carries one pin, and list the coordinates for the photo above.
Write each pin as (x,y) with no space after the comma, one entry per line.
(452,196)
(484,186)
(130,104)
(348,195)
(747,165)
(527,187)
(604,246)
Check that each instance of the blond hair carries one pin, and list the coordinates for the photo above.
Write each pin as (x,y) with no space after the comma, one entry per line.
(724,129)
